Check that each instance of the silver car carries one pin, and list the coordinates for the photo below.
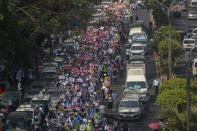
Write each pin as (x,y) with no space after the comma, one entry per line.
(130,108)
(192,15)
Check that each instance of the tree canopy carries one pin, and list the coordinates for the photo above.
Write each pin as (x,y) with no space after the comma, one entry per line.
(23,23)
(164,32)
(177,83)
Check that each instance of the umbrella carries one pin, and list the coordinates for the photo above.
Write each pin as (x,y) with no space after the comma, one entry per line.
(154,126)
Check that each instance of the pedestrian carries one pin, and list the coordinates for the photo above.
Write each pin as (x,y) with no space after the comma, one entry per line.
(136,18)
(110,103)
(156,85)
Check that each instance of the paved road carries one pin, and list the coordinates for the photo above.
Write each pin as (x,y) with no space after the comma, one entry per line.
(182,23)
(150,116)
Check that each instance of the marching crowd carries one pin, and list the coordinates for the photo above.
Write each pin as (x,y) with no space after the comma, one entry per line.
(87,76)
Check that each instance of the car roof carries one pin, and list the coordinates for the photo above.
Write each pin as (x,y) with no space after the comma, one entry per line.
(131,98)
(17,115)
(137,44)
(189,39)
(21,109)
(49,69)
(40,97)
(58,59)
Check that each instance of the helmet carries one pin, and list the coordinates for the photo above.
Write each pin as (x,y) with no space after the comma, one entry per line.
(89,121)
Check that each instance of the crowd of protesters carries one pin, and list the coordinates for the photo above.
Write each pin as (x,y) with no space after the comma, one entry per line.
(87,76)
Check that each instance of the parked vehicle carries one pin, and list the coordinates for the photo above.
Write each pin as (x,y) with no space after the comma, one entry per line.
(189,43)
(29,110)
(131,108)
(18,119)
(193,5)
(194,33)
(50,64)
(40,99)
(69,45)
(194,66)
(59,61)
(32,92)
(49,73)
(192,15)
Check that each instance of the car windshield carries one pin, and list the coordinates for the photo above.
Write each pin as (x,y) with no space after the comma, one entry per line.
(33,92)
(136,85)
(194,3)
(136,48)
(129,104)
(139,36)
(195,31)
(40,102)
(54,93)
(130,92)
(188,41)
(193,12)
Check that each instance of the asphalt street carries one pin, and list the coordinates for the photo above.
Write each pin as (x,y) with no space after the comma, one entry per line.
(149,116)
(181,24)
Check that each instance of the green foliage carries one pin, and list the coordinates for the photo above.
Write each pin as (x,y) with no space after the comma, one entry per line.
(163,49)
(14,48)
(177,83)
(164,31)
(51,16)
(177,121)
(174,97)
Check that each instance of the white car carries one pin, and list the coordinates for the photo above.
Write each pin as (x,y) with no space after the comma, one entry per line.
(136,93)
(194,33)
(130,108)
(192,15)
(137,48)
(189,43)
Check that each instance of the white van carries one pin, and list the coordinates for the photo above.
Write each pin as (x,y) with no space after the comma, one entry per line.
(193,5)
(194,66)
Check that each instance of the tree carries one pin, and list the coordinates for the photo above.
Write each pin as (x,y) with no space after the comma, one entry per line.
(163,32)
(174,97)
(176,120)
(163,53)
(177,83)
(14,48)
(51,16)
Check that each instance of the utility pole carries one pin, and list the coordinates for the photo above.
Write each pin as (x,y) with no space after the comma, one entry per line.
(170,44)
(188,88)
